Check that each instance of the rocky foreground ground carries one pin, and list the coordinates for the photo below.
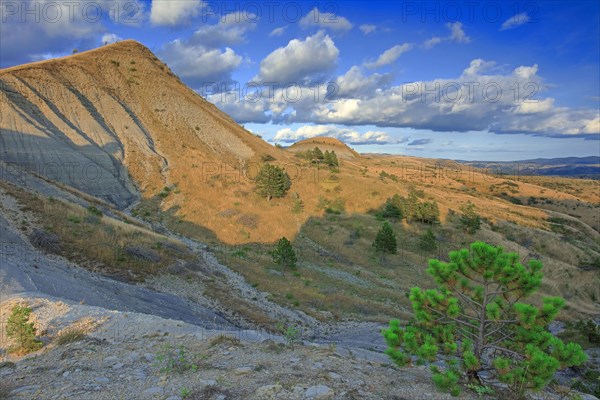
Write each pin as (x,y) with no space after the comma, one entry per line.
(138,356)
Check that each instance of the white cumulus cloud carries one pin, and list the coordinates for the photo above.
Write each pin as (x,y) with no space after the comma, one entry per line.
(230,30)
(367,28)
(432,42)
(355,84)
(61,26)
(482,98)
(457,34)
(300,60)
(278,31)
(535,106)
(198,64)
(169,12)
(390,55)
(346,135)
(515,20)
(325,20)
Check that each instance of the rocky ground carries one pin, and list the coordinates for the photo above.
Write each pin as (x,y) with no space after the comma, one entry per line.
(138,356)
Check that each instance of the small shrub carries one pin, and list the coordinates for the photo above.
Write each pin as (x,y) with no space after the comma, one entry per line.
(470,221)
(171,359)
(22,331)
(185,392)
(336,207)
(298,206)
(322,203)
(515,200)
(69,336)
(481,390)
(588,329)
(94,211)
(165,192)
(291,336)
(74,219)
(224,339)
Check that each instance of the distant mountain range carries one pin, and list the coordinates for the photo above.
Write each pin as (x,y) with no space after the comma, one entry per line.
(574,167)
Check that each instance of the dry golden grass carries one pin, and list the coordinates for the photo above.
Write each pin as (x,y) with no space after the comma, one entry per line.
(181,141)
(69,336)
(97,242)
(339,276)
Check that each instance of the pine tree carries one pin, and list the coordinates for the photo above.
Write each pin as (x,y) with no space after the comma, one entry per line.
(411,205)
(284,254)
(317,155)
(470,220)
(392,208)
(330,158)
(385,241)
(427,241)
(327,159)
(427,212)
(21,330)
(272,181)
(334,158)
(476,314)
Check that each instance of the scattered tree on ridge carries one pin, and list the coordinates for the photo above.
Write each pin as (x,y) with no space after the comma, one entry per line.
(469,220)
(317,155)
(427,212)
(330,158)
(410,206)
(476,315)
(284,254)
(272,181)
(385,241)
(392,208)
(427,241)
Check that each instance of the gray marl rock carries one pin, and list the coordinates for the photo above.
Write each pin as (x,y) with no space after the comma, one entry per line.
(318,392)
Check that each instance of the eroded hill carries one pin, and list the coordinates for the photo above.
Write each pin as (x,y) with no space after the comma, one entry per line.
(116,124)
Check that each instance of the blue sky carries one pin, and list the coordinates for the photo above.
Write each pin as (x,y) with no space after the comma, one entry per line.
(473,80)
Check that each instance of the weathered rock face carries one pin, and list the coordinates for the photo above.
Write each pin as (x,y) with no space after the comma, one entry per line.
(51,127)
(111,121)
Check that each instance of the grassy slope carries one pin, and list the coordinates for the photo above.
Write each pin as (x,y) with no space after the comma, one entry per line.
(207,161)
(131,105)
(339,276)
